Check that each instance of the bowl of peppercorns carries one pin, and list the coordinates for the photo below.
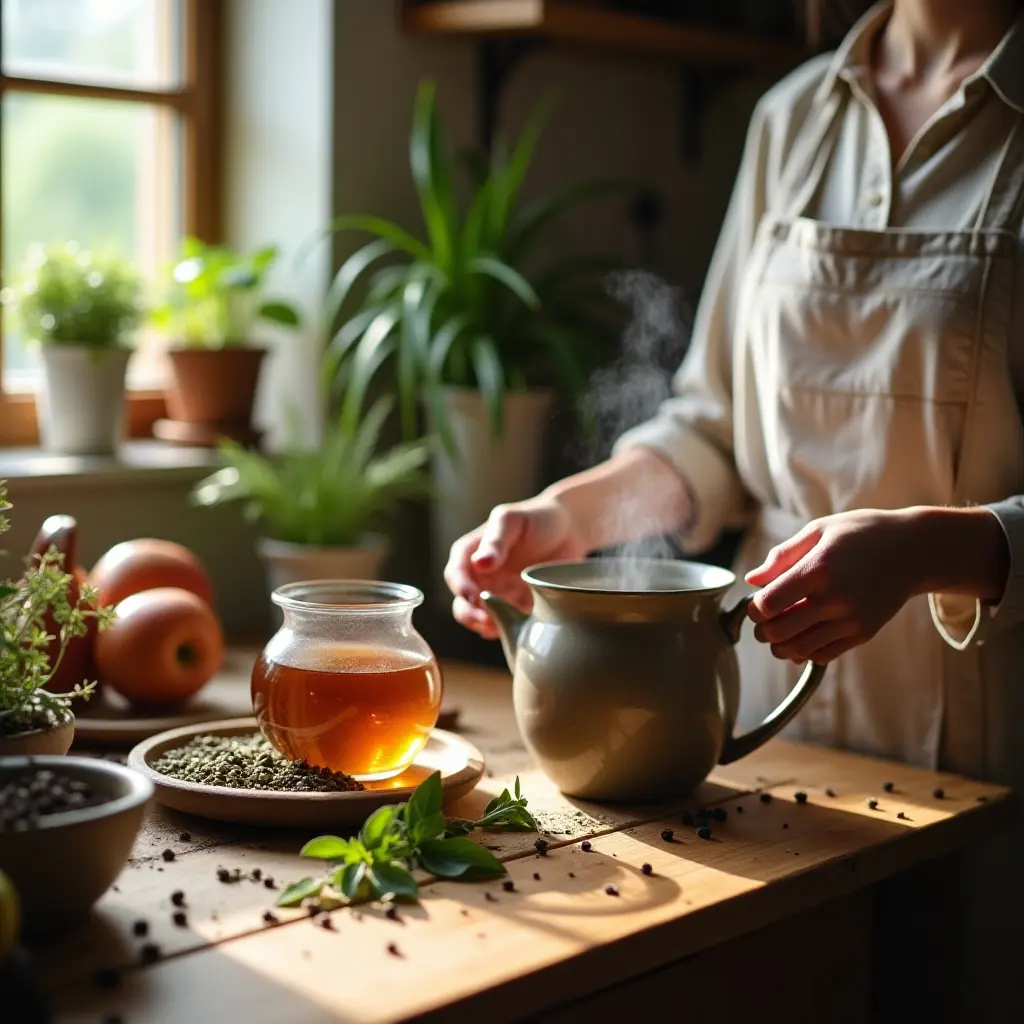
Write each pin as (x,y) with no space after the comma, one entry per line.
(67,825)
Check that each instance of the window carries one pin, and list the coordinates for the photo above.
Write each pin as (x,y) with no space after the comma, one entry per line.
(108,136)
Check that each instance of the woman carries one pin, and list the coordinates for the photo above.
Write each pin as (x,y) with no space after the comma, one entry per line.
(851,396)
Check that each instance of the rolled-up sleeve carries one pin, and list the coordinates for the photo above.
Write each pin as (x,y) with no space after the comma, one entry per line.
(964,621)
(694,429)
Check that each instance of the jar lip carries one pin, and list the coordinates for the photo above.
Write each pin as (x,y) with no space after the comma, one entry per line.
(347,596)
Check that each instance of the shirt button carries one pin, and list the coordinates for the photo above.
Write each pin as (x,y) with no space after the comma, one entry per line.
(875,199)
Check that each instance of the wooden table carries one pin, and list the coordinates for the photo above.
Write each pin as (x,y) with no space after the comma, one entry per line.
(775,909)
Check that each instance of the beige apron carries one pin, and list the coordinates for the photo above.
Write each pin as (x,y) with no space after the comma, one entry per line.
(891,352)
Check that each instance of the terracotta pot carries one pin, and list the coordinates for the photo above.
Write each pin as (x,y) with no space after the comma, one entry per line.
(214,385)
(54,740)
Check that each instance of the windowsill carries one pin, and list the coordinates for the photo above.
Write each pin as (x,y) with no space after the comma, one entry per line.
(135,462)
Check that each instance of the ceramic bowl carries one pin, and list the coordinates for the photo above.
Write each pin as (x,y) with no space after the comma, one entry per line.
(62,867)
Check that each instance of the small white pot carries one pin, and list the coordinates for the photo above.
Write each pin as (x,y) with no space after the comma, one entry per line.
(296,563)
(81,405)
(491,471)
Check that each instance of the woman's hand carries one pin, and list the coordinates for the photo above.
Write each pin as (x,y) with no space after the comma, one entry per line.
(493,556)
(837,582)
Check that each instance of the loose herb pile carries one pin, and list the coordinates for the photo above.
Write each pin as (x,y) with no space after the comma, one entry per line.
(27,797)
(248,762)
(30,609)
(398,838)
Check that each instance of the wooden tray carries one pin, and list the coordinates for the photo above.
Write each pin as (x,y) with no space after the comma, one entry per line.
(460,763)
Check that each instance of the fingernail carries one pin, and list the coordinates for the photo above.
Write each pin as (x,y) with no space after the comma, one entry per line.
(483,557)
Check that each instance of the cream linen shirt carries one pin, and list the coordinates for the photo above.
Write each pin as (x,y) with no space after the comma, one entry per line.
(939,183)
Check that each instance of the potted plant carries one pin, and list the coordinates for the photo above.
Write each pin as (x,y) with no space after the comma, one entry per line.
(471,320)
(79,307)
(214,299)
(32,719)
(319,507)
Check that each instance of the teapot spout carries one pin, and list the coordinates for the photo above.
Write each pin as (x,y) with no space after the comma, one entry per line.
(509,620)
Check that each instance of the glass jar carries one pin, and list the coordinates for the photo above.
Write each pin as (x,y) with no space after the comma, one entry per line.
(346,682)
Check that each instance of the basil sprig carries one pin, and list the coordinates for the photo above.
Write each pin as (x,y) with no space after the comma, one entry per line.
(377,864)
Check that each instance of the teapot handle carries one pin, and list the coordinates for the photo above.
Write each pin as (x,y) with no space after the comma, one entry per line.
(739,746)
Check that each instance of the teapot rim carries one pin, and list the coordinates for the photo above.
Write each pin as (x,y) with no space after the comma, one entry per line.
(724,578)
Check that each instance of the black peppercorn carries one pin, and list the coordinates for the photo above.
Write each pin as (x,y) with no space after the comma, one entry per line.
(800,798)
(257,874)
(180,918)
(223,875)
(268,883)
(719,814)
(490,897)
(140,929)
(326,922)
(269,917)
(785,824)
(168,855)
(765,798)
(647,869)
(830,792)
(150,953)
(902,816)
(313,909)
(739,808)
(391,913)
(541,846)
(889,787)
(508,885)
(611,890)
(585,846)
(393,949)
(938,793)
(178,898)
(667,834)
(536,876)
(185,837)
(704,832)
(572,874)
(873,804)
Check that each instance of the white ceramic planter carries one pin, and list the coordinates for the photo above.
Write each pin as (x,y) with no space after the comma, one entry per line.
(81,404)
(296,563)
(491,471)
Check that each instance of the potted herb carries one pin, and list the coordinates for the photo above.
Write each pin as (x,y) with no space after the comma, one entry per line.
(472,319)
(32,719)
(319,507)
(215,298)
(79,307)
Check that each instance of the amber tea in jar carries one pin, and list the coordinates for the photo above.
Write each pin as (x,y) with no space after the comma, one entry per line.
(347,683)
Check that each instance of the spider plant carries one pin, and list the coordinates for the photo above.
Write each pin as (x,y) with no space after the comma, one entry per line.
(325,497)
(472,303)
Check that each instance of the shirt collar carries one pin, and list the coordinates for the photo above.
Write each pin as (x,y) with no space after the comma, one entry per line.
(1003,70)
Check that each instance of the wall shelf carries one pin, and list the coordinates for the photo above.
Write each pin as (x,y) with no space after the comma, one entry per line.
(507,29)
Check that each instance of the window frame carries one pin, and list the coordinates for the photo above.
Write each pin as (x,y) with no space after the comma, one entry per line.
(198,103)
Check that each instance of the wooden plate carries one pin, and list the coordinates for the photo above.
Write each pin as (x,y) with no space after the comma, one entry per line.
(109,720)
(460,763)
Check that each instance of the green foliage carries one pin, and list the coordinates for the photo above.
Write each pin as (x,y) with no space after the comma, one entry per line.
(325,497)
(68,295)
(25,666)
(394,840)
(505,813)
(215,296)
(468,305)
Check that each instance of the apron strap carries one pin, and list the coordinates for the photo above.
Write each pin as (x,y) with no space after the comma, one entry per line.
(812,149)
(1001,208)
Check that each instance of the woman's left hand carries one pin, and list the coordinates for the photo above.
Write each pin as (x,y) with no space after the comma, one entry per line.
(835,584)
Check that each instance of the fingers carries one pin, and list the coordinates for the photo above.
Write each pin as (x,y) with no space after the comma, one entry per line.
(502,530)
(796,620)
(458,573)
(784,556)
(812,643)
(473,618)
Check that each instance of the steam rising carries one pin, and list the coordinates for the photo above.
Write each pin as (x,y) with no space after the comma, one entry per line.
(630,392)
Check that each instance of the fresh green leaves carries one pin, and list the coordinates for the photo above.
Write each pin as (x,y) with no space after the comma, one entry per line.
(396,838)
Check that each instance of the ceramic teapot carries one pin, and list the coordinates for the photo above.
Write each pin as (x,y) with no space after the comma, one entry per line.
(625,681)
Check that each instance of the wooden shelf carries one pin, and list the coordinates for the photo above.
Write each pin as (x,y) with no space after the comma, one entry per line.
(607,30)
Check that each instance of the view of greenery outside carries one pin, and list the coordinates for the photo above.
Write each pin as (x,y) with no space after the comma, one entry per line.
(98,172)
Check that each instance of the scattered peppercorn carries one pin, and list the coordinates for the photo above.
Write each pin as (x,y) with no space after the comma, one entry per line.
(490,897)
(150,953)
(185,837)
(873,804)
(223,875)
(785,824)
(140,929)
(257,874)
(508,885)
(180,918)
(765,798)
(704,832)
(611,890)
(541,846)
(647,869)
(178,898)
(269,917)
(464,912)
(168,855)
(902,816)
(739,808)
(391,913)
(106,977)
(938,793)
(393,949)
(536,876)
(830,792)
(313,909)
(268,883)
(719,814)
(326,922)
(585,846)
(667,834)
(800,798)
(27,797)
(889,787)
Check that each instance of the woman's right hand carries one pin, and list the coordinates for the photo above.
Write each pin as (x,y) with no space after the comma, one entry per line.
(493,556)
